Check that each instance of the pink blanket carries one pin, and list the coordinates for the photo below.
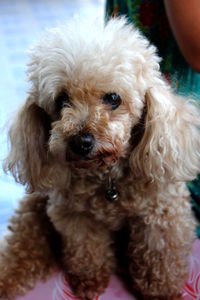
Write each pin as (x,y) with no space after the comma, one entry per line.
(56,288)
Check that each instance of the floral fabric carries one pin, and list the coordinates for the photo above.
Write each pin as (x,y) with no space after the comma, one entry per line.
(150,17)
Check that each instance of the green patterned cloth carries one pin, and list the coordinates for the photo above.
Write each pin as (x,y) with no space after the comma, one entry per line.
(150,17)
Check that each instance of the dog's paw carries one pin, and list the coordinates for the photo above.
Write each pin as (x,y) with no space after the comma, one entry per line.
(88,288)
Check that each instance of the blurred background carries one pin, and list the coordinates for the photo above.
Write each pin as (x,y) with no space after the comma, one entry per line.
(21,23)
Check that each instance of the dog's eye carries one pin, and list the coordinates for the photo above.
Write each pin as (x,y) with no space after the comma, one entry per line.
(112,99)
(62,101)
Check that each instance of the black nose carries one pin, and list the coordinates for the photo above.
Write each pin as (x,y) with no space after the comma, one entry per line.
(82,143)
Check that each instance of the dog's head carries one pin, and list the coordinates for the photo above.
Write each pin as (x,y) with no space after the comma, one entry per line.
(97,96)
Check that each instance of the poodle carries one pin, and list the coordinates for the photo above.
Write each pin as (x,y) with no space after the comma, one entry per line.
(102,145)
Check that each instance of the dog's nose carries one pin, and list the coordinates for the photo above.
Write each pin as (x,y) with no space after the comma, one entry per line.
(82,143)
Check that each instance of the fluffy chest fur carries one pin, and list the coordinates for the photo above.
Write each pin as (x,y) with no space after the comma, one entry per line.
(86,196)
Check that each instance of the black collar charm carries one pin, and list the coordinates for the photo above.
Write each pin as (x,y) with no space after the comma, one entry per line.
(111,194)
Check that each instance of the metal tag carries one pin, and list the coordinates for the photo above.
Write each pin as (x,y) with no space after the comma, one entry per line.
(112,194)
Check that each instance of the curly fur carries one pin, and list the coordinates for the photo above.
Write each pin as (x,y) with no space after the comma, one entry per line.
(150,145)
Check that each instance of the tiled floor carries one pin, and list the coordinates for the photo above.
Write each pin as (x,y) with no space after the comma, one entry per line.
(21,22)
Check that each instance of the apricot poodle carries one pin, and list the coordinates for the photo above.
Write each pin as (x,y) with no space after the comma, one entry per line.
(101,144)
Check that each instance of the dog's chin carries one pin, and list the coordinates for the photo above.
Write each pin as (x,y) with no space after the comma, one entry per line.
(86,164)
(92,162)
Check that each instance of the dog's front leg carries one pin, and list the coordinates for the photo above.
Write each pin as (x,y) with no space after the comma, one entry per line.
(158,251)
(25,254)
(87,256)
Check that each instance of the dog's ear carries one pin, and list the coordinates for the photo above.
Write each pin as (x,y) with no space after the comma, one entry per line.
(169,148)
(27,159)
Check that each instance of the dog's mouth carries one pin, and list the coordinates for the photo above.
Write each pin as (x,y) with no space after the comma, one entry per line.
(92,161)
